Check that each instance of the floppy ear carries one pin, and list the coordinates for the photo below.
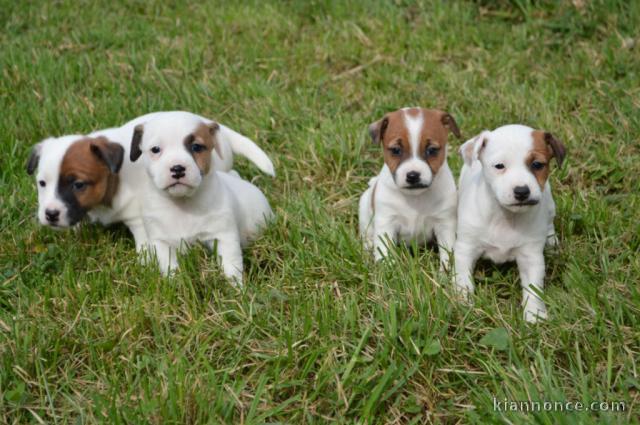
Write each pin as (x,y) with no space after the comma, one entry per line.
(34,158)
(213,130)
(377,129)
(556,146)
(471,149)
(135,151)
(110,153)
(448,121)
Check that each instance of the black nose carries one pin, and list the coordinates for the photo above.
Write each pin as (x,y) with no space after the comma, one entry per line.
(178,171)
(413,177)
(52,215)
(521,192)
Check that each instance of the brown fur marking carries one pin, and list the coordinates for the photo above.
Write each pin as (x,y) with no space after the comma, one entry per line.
(541,152)
(81,164)
(204,135)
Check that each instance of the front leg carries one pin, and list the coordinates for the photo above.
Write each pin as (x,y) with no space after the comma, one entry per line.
(141,239)
(445,232)
(465,256)
(384,235)
(166,256)
(531,266)
(229,252)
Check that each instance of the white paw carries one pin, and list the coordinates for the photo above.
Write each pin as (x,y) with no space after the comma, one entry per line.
(535,311)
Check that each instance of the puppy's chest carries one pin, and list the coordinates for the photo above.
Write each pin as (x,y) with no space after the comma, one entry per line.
(413,225)
(175,226)
(502,242)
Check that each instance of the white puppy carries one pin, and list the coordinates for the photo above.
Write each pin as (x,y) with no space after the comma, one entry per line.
(414,196)
(505,207)
(80,175)
(186,200)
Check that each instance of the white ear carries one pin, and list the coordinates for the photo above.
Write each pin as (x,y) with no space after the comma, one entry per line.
(470,150)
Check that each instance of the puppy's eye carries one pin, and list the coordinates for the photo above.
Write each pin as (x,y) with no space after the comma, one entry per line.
(537,165)
(499,166)
(197,147)
(79,185)
(42,183)
(155,149)
(432,151)
(395,150)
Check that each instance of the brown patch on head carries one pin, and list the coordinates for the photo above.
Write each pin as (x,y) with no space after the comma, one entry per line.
(394,136)
(541,155)
(434,137)
(88,173)
(201,143)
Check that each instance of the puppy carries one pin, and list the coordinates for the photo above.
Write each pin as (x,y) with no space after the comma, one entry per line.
(505,207)
(414,196)
(186,200)
(79,175)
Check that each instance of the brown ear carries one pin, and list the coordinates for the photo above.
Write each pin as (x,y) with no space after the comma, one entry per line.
(135,151)
(558,149)
(34,159)
(213,129)
(448,121)
(110,153)
(377,129)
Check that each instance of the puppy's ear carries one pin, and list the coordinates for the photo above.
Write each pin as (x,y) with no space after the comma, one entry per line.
(34,158)
(471,149)
(213,130)
(136,139)
(377,129)
(449,123)
(110,153)
(556,147)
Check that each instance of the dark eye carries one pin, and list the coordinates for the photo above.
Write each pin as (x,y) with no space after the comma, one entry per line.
(42,183)
(78,185)
(155,149)
(537,165)
(197,147)
(499,166)
(432,151)
(395,150)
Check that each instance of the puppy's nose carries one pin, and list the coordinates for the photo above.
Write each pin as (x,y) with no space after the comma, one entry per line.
(52,215)
(413,177)
(521,192)
(178,171)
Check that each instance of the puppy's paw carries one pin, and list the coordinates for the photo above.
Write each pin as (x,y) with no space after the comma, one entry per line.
(463,293)
(552,240)
(535,312)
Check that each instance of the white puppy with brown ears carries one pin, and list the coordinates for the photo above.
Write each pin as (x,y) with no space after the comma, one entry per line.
(414,196)
(186,200)
(505,207)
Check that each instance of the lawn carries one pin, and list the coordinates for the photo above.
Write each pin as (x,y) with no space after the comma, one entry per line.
(320,333)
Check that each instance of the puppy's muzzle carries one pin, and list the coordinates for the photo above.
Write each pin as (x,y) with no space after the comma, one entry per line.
(177,171)
(521,193)
(52,216)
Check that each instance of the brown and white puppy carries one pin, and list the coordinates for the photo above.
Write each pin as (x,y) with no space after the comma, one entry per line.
(505,207)
(92,175)
(414,196)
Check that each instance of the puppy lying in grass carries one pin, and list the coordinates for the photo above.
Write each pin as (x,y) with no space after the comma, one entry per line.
(80,175)
(186,200)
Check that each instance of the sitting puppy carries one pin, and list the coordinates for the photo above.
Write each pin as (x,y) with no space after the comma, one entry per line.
(91,175)
(186,200)
(414,196)
(505,207)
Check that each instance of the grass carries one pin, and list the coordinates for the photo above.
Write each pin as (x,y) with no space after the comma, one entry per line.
(320,333)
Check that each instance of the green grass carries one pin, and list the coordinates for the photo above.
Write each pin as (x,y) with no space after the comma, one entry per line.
(320,333)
